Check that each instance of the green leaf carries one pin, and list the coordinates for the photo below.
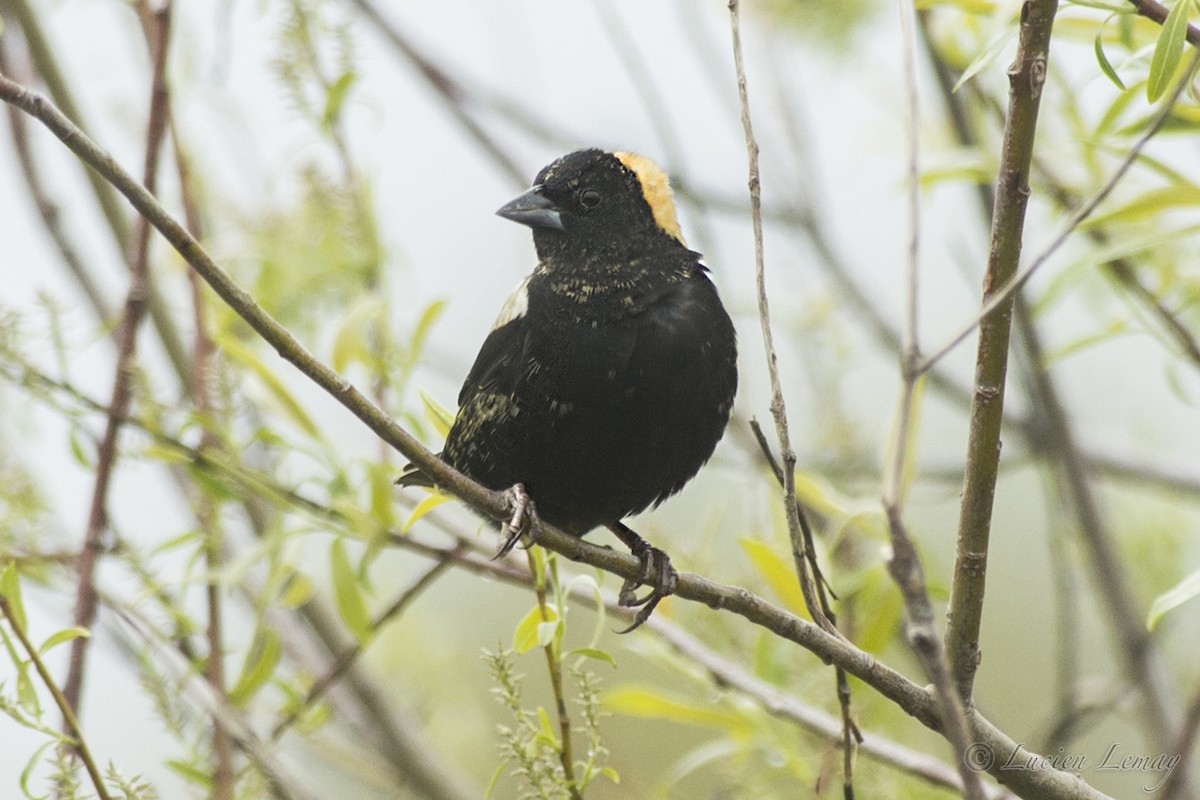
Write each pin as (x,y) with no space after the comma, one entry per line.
(296,589)
(778,572)
(596,653)
(527,634)
(1184,195)
(547,632)
(985,58)
(10,589)
(34,761)
(65,635)
(547,733)
(289,405)
(348,594)
(1174,597)
(422,508)
(1167,51)
(424,324)
(437,414)
(258,668)
(641,702)
(336,98)
(1102,59)
(190,772)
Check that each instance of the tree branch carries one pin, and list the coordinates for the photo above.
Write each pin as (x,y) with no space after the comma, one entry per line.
(1027,76)
(1153,10)
(135,306)
(913,699)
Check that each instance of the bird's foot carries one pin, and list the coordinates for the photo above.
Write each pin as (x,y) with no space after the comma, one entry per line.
(523,515)
(652,560)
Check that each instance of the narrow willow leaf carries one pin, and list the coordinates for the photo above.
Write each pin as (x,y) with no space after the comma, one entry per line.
(526,634)
(259,667)
(437,414)
(1149,203)
(424,507)
(336,98)
(1174,597)
(287,402)
(1168,51)
(1102,60)
(642,702)
(424,324)
(10,588)
(547,632)
(346,591)
(985,58)
(65,635)
(778,572)
(594,652)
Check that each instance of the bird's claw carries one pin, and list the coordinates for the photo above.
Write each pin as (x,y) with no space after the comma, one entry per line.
(521,521)
(666,580)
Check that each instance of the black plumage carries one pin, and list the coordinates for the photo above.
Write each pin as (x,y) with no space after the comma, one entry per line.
(609,376)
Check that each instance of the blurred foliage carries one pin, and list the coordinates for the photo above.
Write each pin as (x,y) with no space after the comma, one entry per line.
(325,550)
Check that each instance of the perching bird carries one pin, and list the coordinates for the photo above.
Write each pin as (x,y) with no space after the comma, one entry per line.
(609,376)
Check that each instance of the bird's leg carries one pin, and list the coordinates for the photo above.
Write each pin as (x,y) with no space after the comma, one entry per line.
(523,515)
(665,577)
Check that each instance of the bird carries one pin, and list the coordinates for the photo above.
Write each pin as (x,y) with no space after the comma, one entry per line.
(610,373)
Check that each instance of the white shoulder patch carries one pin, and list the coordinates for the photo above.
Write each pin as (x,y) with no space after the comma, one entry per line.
(515,306)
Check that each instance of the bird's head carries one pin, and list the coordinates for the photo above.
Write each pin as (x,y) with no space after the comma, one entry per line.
(594,197)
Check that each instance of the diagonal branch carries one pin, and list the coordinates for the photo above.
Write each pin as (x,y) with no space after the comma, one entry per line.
(908,696)
(1153,10)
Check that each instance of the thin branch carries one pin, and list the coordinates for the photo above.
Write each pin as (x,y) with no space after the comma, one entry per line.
(48,210)
(913,699)
(778,407)
(1153,10)
(351,654)
(108,200)
(453,95)
(135,306)
(1002,297)
(1027,76)
(70,719)
(224,778)
(905,564)
(211,704)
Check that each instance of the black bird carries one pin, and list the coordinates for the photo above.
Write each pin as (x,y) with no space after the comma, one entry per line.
(609,376)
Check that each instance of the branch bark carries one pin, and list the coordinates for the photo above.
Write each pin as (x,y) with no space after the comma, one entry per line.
(913,699)
(1027,75)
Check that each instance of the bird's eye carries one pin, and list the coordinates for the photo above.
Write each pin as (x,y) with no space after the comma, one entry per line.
(590,198)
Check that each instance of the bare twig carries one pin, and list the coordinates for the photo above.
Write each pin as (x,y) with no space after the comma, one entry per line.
(135,306)
(905,564)
(352,653)
(48,210)
(224,778)
(778,407)
(999,292)
(71,721)
(913,699)
(455,98)
(109,202)
(1026,78)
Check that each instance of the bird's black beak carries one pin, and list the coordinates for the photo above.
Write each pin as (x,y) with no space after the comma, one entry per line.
(533,209)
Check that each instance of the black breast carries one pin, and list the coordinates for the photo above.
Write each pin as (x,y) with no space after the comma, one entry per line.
(601,414)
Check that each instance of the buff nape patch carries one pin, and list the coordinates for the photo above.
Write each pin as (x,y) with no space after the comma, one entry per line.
(656,188)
